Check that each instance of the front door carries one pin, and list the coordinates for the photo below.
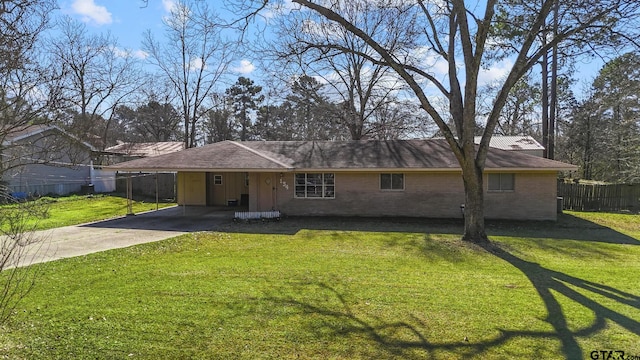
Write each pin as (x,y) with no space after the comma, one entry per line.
(216,189)
(266,191)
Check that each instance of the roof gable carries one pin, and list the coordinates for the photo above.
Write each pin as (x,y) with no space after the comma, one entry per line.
(28,131)
(24,132)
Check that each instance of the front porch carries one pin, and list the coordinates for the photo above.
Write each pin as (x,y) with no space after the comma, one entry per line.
(252,191)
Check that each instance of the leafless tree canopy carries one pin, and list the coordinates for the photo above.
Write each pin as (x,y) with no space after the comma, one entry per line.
(26,97)
(24,85)
(95,77)
(28,92)
(343,60)
(21,22)
(193,57)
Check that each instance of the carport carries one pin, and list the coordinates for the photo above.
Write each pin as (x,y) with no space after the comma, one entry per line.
(228,174)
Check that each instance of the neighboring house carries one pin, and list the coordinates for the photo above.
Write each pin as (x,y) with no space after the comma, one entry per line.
(417,178)
(42,159)
(523,144)
(129,151)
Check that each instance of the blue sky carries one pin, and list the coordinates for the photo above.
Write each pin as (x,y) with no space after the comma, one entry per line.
(126,20)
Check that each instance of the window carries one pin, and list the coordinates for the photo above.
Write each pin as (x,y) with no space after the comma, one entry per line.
(217,179)
(391,181)
(501,182)
(315,185)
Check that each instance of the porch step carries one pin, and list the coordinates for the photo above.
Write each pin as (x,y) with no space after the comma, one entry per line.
(253,215)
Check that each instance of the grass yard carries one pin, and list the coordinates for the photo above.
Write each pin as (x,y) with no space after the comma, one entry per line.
(344,289)
(74,210)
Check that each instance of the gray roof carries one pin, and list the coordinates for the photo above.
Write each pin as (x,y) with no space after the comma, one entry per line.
(23,132)
(363,155)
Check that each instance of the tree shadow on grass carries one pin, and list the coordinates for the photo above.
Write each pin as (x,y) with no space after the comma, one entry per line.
(567,227)
(549,284)
(391,337)
(547,281)
(192,219)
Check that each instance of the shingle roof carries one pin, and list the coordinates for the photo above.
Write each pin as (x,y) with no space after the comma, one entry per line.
(226,155)
(418,155)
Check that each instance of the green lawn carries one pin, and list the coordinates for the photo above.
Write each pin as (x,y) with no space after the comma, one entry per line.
(344,289)
(73,210)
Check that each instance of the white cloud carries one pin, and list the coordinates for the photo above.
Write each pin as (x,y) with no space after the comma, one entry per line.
(175,13)
(277,8)
(118,52)
(140,54)
(196,64)
(497,71)
(126,53)
(438,67)
(431,61)
(168,5)
(91,12)
(245,67)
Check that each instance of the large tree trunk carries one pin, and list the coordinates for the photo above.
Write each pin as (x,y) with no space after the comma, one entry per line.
(474,230)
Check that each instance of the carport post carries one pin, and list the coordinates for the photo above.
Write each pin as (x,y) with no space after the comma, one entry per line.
(157,191)
(184,195)
(129,196)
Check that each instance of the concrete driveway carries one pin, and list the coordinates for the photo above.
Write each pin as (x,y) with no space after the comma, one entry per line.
(122,232)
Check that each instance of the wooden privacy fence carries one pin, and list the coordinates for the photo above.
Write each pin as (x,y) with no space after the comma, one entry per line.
(611,197)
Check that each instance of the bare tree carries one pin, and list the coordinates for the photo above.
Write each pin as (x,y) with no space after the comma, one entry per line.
(193,59)
(419,35)
(397,119)
(26,90)
(19,248)
(26,97)
(21,23)
(520,115)
(360,86)
(96,77)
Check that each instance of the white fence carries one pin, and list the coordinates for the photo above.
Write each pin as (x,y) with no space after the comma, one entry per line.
(103,181)
(255,215)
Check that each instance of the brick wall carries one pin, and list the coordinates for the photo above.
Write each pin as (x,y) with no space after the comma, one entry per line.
(431,195)
(359,194)
(534,198)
